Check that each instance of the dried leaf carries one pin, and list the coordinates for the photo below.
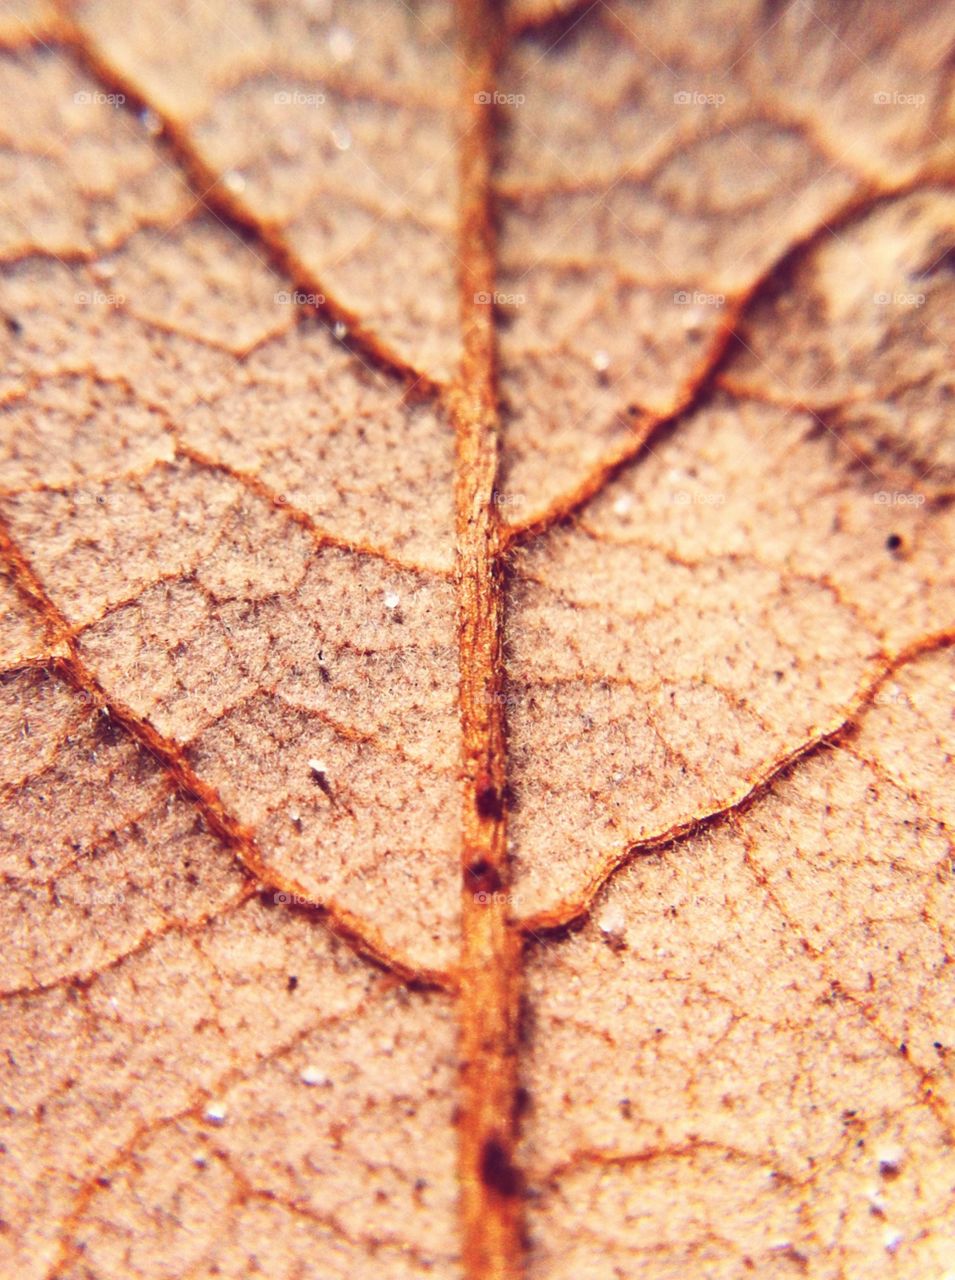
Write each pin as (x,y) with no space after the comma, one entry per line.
(476,524)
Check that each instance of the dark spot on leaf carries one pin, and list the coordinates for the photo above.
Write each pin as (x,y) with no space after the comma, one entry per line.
(105,730)
(490,802)
(482,876)
(320,779)
(497,1171)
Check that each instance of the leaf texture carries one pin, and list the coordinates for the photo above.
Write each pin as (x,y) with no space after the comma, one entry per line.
(476,521)
(806,1119)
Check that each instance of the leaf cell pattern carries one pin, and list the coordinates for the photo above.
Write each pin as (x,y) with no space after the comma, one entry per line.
(476,675)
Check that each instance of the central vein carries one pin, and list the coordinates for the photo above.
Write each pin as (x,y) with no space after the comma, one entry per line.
(490,947)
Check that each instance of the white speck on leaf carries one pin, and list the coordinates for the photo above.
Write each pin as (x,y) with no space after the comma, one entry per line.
(891,1238)
(341,136)
(611,922)
(216,1113)
(314,1076)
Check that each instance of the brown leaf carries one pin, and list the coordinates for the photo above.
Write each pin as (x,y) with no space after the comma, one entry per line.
(476,524)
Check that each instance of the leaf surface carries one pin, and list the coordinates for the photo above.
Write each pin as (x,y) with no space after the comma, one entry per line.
(476,518)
